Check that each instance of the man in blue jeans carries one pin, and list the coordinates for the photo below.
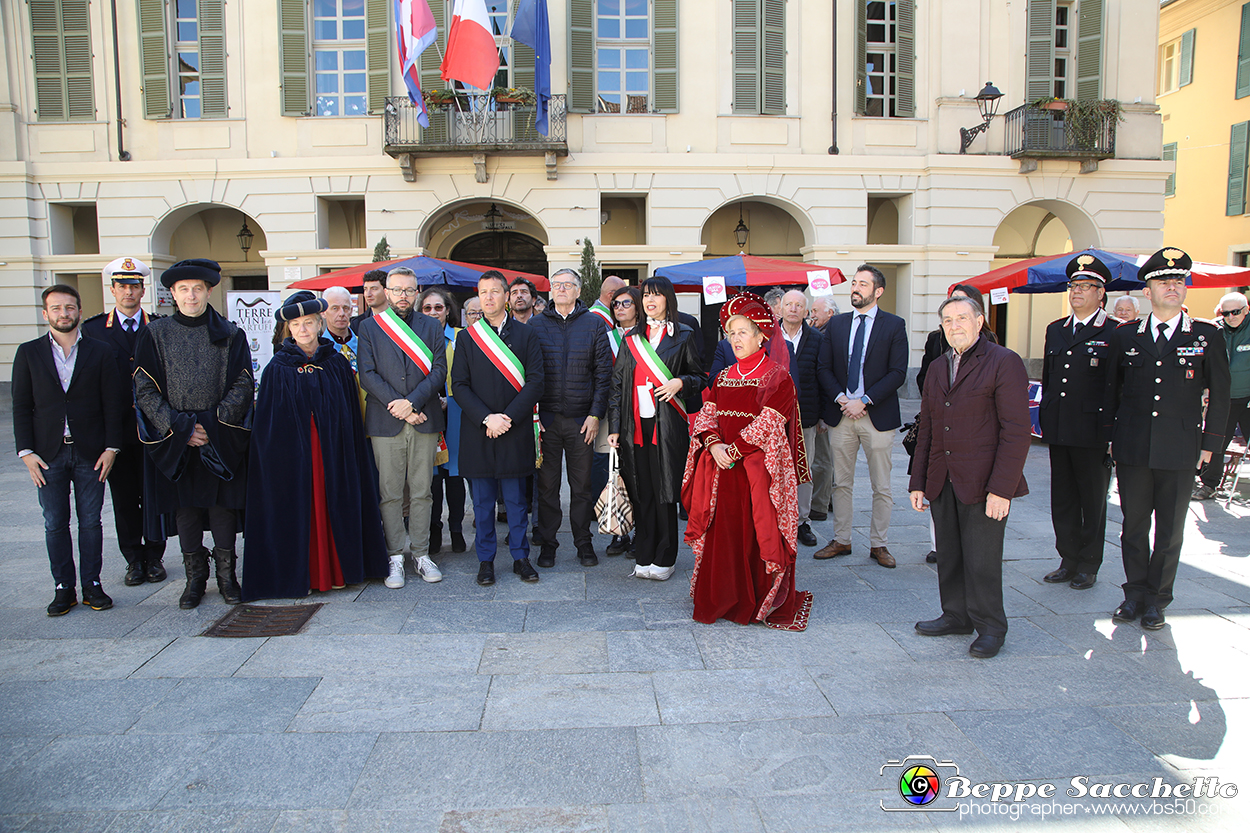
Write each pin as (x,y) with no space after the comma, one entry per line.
(67,420)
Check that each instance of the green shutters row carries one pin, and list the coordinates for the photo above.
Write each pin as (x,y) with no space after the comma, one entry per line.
(61,46)
(581,43)
(1243,54)
(1237,170)
(904,58)
(1169,155)
(759,56)
(156,49)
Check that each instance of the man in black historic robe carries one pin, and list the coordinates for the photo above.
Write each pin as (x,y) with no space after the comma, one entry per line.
(193,389)
(312,501)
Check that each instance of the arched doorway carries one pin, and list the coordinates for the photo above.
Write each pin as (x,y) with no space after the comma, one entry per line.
(502,249)
(771,231)
(211,231)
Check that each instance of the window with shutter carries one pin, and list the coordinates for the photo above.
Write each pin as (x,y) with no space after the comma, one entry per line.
(154,58)
(622,56)
(1236,202)
(1169,155)
(61,45)
(1040,51)
(293,56)
(1243,54)
(377,53)
(1186,75)
(212,20)
(1089,51)
(183,40)
(759,56)
(886,45)
(1170,67)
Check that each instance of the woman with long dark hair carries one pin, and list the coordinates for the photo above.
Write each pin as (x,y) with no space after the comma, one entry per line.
(656,365)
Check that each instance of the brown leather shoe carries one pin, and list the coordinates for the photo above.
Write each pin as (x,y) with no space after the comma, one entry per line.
(833,548)
(882,556)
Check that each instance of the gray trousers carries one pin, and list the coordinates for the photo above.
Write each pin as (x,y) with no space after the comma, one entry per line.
(406,457)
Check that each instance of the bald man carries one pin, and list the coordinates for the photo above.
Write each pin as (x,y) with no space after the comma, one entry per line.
(602,307)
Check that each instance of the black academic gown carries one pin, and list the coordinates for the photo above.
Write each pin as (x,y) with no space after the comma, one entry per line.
(296,390)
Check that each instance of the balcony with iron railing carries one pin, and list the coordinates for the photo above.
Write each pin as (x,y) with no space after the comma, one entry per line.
(1062,129)
(476,124)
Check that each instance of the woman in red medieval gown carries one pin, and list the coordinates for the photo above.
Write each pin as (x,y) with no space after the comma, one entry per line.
(741,483)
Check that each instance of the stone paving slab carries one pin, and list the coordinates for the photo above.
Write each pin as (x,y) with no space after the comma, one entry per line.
(544,653)
(226,706)
(558,701)
(737,694)
(735,815)
(420,703)
(364,655)
(54,707)
(646,651)
(465,617)
(74,659)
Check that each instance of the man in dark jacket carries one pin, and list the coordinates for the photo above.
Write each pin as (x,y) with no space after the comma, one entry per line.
(497,378)
(374,297)
(803,343)
(67,420)
(1232,325)
(1074,381)
(120,330)
(972,440)
(1163,363)
(402,365)
(577,368)
(863,363)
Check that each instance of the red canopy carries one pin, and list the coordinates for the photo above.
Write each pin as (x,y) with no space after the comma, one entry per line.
(453,272)
(1016,274)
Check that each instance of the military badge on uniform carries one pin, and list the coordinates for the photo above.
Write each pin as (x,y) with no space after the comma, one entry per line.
(1189,374)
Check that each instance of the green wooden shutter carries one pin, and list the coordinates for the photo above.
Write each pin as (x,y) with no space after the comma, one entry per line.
(905,60)
(581,56)
(212,18)
(1039,59)
(1243,54)
(1089,51)
(1187,57)
(293,56)
(429,65)
(664,55)
(861,57)
(1237,170)
(523,129)
(746,60)
(61,44)
(773,53)
(1169,155)
(378,52)
(154,57)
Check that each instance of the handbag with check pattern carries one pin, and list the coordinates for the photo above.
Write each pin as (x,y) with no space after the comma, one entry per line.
(613,509)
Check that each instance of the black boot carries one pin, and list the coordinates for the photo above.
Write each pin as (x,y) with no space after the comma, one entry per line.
(227,584)
(196,564)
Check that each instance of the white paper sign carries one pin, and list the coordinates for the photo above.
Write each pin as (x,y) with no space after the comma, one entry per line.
(253,312)
(998,295)
(819,283)
(292,273)
(714,290)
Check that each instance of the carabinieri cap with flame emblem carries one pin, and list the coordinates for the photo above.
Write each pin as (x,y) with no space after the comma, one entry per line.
(1086,265)
(1166,263)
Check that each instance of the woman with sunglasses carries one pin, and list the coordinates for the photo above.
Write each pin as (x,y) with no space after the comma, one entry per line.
(656,365)
(439,305)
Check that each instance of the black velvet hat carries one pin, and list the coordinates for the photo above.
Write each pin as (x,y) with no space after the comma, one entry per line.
(1089,267)
(300,304)
(195,269)
(1166,263)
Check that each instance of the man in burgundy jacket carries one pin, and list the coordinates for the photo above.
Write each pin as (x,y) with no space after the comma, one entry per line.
(973,438)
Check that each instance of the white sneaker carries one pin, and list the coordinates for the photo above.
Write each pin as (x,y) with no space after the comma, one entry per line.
(428,570)
(396,579)
(641,572)
(662,573)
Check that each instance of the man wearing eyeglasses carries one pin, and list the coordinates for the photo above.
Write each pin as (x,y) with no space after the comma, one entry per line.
(1232,324)
(402,365)
(1164,363)
(1074,377)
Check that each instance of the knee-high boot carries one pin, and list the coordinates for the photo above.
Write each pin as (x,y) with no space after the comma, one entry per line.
(227,584)
(196,564)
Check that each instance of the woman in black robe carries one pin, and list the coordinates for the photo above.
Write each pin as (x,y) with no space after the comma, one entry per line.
(312,505)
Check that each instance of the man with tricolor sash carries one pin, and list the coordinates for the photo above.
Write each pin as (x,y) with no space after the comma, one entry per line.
(403,367)
(497,378)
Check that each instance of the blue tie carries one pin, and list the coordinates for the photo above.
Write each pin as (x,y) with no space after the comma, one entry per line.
(857,356)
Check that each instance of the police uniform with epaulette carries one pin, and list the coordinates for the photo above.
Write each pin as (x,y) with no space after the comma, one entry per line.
(1159,433)
(1074,381)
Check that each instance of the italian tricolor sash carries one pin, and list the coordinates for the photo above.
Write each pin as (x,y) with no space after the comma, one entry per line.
(603,312)
(405,339)
(654,367)
(614,341)
(507,363)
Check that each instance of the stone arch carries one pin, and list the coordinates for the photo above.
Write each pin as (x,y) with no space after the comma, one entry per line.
(779,229)
(458,221)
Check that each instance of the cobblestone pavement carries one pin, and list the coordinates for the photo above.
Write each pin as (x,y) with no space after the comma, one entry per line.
(591,701)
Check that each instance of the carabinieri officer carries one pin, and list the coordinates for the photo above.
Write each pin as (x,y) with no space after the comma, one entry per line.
(1074,379)
(1163,365)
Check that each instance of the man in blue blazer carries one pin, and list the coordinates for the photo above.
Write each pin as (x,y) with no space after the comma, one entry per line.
(863,363)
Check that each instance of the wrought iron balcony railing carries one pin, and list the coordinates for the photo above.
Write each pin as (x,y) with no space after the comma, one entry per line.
(1085,130)
(477,123)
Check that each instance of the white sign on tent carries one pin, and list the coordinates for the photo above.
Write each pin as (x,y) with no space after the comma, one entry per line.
(253,312)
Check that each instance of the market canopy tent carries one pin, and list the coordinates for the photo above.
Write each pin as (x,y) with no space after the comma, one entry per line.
(747,270)
(1048,274)
(429,271)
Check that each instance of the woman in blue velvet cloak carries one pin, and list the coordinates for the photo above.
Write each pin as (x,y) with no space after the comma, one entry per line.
(312,518)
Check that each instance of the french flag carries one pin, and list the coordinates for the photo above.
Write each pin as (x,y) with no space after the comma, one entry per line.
(414,32)
(471,56)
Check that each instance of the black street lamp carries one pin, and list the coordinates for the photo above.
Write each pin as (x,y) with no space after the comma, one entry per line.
(741,232)
(987,103)
(245,236)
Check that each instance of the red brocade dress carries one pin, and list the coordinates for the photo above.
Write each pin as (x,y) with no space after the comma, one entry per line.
(744,520)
